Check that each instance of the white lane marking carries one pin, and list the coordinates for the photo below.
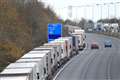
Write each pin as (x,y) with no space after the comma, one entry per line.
(55,78)
(62,69)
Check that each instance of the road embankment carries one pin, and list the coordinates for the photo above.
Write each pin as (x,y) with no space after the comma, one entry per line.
(116,35)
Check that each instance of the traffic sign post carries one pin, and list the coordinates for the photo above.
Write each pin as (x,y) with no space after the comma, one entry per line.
(54,31)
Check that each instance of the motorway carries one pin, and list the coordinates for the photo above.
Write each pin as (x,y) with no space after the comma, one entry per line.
(101,64)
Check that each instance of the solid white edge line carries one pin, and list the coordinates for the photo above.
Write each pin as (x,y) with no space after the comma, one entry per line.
(62,69)
(65,66)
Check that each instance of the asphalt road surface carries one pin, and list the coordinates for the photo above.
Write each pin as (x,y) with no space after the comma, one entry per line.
(101,64)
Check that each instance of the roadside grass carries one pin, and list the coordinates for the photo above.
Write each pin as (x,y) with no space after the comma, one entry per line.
(2,67)
(5,59)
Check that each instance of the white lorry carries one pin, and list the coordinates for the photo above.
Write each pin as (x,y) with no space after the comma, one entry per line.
(39,66)
(68,41)
(56,55)
(52,54)
(18,74)
(45,60)
(64,49)
(82,36)
(25,65)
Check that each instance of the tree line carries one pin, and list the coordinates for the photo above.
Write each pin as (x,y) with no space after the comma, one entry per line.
(23,26)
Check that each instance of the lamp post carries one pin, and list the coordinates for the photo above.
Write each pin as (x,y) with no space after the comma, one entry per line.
(85,12)
(98,8)
(115,9)
(70,11)
(93,12)
(101,11)
(108,11)
(76,14)
(115,13)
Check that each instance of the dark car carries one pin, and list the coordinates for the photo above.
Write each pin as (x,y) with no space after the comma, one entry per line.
(94,45)
(108,43)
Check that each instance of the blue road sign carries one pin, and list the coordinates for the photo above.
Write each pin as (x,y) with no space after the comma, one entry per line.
(54,31)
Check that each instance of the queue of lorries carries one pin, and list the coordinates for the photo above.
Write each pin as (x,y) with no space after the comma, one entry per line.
(42,62)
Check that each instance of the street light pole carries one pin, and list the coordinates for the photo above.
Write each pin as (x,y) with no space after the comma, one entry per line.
(101,11)
(108,12)
(115,13)
(70,11)
(84,12)
(98,8)
(117,9)
(59,12)
(93,12)
(76,14)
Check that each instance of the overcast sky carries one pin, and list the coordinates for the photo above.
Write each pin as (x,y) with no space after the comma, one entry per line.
(92,12)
